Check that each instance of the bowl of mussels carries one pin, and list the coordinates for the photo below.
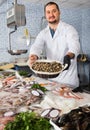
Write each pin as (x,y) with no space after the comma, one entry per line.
(47,68)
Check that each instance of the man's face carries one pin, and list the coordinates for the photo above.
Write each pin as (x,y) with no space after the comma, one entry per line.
(52,14)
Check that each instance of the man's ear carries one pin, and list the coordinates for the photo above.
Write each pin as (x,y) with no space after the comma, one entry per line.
(59,12)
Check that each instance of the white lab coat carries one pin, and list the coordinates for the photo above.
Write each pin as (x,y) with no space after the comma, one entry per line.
(65,40)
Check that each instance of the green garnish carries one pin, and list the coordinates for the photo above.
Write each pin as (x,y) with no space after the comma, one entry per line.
(23,73)
(28,121)
(38,86)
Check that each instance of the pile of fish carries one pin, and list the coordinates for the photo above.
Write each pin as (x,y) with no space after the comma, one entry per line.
(76,119)
(16,96)
(66,92)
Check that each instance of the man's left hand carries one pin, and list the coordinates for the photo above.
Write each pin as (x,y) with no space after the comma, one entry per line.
(67,60)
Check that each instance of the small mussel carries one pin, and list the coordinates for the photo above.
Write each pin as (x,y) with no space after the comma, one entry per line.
(76,119)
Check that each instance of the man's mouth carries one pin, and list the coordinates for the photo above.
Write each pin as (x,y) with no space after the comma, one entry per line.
(52,17)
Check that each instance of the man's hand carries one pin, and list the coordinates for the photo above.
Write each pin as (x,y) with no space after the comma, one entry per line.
(32,59)
(67,60)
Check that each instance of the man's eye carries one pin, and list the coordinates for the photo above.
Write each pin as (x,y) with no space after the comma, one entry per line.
(54,11)
(48,12)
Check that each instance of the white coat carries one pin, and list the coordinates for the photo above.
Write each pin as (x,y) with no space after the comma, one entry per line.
(65,40)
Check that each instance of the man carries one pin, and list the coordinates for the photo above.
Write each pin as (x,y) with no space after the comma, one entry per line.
(61,42)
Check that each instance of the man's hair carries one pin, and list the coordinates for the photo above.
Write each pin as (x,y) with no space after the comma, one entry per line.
(51,3)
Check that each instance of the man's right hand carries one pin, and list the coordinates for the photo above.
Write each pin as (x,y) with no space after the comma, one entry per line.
(32,59)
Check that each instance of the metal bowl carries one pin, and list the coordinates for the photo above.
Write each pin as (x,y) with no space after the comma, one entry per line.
(17,52)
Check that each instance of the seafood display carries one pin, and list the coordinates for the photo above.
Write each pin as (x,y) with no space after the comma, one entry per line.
(76,119)
(49,99)
(16,96)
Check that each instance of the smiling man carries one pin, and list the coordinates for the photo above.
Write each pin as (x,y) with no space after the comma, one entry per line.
(61,42)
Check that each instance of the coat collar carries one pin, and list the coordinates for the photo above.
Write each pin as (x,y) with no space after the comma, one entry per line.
(57,32)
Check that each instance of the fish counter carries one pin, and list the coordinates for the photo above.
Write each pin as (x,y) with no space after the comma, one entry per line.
(48,99)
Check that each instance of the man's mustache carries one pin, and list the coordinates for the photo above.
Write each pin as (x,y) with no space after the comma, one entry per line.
(51,17)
